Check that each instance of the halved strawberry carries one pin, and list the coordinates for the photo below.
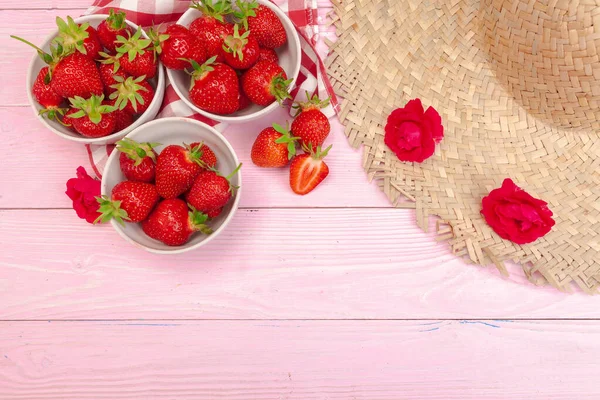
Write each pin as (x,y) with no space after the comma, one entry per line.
(136,55)
(308,170)
(137,160)
(80,37)
(93,119)
(133,95)
(110,28)
(129,201)
(173,223)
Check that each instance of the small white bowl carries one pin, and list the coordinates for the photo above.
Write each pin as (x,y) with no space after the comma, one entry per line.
(37,64)
(289,59)
(176,130)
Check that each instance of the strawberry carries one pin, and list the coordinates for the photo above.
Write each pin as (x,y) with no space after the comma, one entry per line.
(176,46)
(176,169)
(263,22)
(311,125)
(266,82)
(123,118)
(130,201)
(80,37)
(173,224)
(244,101)
(133,95)
(109,68)
(136,55)
(110,28)
(211,28)
(212,214)
(206,155)
(308,170)
(240,51)
(265,54)
(215,87)
(67,120)
(137,160)
(273,147)
(211,190)
(93,119)
(47,97)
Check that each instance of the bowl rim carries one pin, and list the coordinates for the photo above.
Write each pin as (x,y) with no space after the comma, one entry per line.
(264,111)
(31,75)
(228,218)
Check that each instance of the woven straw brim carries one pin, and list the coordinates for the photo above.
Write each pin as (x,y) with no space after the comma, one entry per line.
(517,84)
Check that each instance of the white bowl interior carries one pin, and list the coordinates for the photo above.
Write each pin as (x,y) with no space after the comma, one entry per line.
(289,59)
(37,64)
(176,131)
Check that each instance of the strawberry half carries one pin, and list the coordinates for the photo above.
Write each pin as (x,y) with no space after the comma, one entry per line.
(263,22)
(80,37)
(133,95)
(310,124)
(215,87)
(308,170)
(273,147)
(92,118)
(211,28)
(129,201)
(137,160)
(211,190)
(176,169)
(177,45)
(173,224)
(265,83)
(240,51)
(110,28)
(136,55)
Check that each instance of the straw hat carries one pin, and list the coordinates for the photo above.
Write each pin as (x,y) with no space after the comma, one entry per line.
(517,83)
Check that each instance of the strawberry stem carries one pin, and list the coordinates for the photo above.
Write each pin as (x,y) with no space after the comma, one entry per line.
(216,10)
(109,209)
(197,221)
(137,151)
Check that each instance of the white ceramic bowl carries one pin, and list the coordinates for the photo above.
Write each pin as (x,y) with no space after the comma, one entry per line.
(37,64)
(176,130)
(289,59)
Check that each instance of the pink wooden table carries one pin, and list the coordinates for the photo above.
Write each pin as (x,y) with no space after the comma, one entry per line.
(360,304)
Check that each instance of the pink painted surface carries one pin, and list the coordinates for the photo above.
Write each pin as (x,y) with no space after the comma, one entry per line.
(330,296)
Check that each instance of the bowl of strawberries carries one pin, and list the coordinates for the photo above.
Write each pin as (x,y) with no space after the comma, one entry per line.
(171,186)
(95,79)
(251,58)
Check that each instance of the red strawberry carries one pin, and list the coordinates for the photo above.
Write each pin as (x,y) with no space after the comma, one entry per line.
(311,125)
(263,22)
(133,95)
(215,87)
(110,28)
(176,169)
(212,214)
(130,201)
(273,147)
(240,51)
(137,55)
(93,119)
(206,155)
(211,28)
(82,38)
(173,224)
(137,160)
(308,170)
(123,118)
(109,68)
(265,54)
(47,97)
(211,190)
(67,120)
(176,46)
(266,82)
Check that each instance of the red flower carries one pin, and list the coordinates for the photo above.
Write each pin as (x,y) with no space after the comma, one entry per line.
(83,191)
(412,133)
(515,215)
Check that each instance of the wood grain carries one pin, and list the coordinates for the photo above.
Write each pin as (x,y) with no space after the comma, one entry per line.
(268,264)
(53,161)
(305,360)
(45,4)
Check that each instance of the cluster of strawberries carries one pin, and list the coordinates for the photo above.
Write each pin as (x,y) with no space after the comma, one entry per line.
(97,81)
(275,147)
(173,194)
(230,55)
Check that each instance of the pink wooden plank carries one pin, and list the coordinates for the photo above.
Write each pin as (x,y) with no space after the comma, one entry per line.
(240,360)
(272,263)
(53,161)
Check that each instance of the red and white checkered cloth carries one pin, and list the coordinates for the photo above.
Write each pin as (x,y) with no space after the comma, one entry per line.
(303,13)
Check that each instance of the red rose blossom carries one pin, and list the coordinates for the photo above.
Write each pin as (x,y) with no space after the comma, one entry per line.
(83,190)
(412,133)
(515,215)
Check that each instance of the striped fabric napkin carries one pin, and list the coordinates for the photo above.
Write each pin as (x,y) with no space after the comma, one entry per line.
(303,13)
